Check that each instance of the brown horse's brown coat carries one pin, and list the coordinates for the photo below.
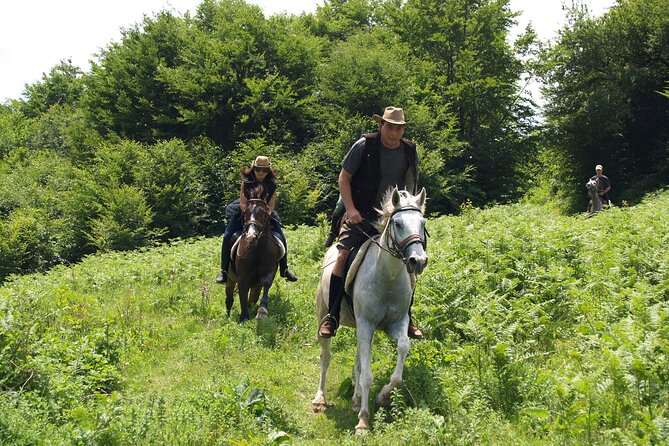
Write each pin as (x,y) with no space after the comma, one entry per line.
(256,259)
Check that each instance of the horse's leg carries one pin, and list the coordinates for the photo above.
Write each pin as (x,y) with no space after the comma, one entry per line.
(267,282)
(400,333)
(230,292)
(365,336)
(254,294)
(320,403)
(262,309)
(355,406)
(244,302)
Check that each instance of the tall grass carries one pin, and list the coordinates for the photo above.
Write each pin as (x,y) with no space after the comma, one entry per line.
(541,329)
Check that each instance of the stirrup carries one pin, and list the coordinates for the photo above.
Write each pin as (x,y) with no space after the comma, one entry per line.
(332,321)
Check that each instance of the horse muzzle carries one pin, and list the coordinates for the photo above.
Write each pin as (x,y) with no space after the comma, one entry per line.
(416,263)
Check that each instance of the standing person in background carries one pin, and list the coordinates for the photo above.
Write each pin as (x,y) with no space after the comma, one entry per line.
(376,162)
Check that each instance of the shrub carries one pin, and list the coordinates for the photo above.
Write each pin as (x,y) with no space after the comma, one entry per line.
(124,220)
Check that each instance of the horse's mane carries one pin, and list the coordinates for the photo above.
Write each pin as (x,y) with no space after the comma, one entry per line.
(256,192)
(387,208)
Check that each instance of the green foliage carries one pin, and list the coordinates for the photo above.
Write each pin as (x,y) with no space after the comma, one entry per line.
(124,93)
(27,242)
(166,175)
(175,108)
(45,203)
(461,57)
(14,128)
(603,75)
(170,180)
(124,220)
(541,328)
(364,74)
(339,19)
(63,86)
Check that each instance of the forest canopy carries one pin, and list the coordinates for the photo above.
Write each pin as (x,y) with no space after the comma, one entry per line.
(147,144)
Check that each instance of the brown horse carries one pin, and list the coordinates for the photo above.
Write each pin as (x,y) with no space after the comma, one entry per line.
(256,257)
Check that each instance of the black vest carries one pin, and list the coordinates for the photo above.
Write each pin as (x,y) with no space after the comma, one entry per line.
(366,180)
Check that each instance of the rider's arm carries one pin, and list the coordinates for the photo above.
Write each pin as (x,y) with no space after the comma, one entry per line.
(345,179)
(272,202)
(242,197)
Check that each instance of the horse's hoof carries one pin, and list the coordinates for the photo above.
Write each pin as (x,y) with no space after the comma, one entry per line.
(361,429)
(383,399)
(319,407)
(262,313)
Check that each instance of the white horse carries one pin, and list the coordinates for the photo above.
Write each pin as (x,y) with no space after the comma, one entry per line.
(595,203)
(382,291)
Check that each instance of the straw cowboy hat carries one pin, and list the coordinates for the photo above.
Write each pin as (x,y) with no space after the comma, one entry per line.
(261,161)
(393,115)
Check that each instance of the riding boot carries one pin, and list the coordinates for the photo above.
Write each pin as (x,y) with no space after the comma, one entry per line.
(330,322)
(283,261)
(225,261)
(284,271)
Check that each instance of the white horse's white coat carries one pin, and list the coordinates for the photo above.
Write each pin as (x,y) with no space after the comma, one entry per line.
(381,297)
(595,204)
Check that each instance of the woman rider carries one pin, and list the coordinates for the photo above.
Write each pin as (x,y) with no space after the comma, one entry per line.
(260,173)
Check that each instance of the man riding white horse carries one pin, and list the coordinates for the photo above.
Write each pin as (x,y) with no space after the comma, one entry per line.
(382,288)
(603,185)
(376,162)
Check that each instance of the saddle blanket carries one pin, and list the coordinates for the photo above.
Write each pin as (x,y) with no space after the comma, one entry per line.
(277,240)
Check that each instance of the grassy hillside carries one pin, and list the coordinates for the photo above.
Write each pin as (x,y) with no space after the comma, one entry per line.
(541,329)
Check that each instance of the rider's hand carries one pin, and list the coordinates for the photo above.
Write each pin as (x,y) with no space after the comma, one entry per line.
(354,217)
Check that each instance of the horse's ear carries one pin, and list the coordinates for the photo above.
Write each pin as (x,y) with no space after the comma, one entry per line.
(421,198)
(247,193)
(396,198)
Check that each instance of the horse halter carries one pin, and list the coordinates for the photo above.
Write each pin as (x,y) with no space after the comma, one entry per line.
(397,248)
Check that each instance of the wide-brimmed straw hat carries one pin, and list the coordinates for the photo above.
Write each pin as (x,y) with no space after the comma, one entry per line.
(393,115)
(261,161)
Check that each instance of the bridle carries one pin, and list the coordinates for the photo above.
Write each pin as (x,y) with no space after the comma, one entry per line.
(397,248)
(260,226)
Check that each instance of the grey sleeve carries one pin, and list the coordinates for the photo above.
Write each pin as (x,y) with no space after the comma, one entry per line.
(352,159)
